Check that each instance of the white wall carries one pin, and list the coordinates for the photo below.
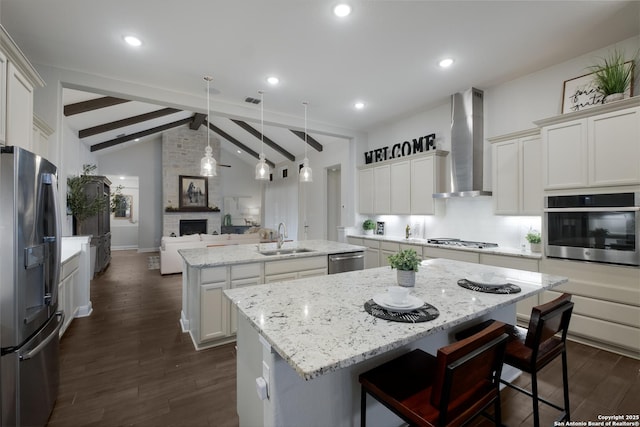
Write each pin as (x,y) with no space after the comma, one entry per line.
(124,231)
(142,160)
(509,107)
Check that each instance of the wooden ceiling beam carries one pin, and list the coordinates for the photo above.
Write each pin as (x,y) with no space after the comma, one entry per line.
(310,140)
(246,126)
(237,143)
(125,138)
(106,127)
(92,104)
(198,120)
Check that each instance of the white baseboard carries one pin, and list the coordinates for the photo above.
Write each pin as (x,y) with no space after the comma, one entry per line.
(84,310)
(124,248)
(141,250)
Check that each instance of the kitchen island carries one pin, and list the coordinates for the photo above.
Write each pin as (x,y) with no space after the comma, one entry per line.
(207,272)
(310,339)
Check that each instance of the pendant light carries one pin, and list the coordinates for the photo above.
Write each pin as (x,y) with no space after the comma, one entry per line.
(306,174)
(262,168)
(208,163)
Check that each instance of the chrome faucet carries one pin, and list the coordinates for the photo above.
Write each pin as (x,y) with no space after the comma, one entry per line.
(281,236)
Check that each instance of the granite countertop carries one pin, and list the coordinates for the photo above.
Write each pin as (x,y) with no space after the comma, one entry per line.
(423,242)
(319,324)
(240,254)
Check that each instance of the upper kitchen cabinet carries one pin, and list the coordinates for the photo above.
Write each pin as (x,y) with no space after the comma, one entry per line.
(597,147)
(402,187)
(517,173)
(19,79)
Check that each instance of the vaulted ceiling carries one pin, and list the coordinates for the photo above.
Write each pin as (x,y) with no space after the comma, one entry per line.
(384,54)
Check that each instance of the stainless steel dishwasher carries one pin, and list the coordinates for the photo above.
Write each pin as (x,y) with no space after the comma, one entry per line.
(348,261)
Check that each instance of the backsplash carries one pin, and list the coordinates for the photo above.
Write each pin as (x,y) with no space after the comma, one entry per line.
(467,219)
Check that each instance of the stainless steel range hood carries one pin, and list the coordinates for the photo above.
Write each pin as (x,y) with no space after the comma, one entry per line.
(467,145)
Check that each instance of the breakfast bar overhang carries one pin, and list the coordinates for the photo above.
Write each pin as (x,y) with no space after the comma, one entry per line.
(303,343)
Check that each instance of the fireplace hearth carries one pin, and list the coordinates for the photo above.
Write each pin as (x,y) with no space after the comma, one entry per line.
(193,226)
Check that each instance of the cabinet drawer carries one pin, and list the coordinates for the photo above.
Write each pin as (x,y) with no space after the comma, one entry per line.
(465,256)
(354,241)
(417,248)
(69,266)
(390,246)
(244,271)
(283,277)
(295,265)
(370,243)
(518,263)
(215,274)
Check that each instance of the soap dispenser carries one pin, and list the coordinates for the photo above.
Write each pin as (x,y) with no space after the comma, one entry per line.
(407,232)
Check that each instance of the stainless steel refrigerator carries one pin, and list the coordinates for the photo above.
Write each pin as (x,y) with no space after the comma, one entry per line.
(29,274)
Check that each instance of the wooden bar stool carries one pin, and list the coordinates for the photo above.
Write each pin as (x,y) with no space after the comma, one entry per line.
(534,348)
(447,390)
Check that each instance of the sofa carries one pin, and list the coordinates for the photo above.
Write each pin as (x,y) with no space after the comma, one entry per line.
(170,259)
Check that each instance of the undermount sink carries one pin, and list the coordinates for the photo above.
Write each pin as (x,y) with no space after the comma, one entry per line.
(285,251)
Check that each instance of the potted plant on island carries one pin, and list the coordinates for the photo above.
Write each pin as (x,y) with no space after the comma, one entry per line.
(406,262)
(613,76)
(534,239)
(368,226)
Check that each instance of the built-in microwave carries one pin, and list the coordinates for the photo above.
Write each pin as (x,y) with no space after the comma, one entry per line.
(593,227)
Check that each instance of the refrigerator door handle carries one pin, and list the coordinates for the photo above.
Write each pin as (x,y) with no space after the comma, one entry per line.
(37,349)
(50,181)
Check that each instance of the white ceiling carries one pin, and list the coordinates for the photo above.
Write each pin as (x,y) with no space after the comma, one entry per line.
(384,54)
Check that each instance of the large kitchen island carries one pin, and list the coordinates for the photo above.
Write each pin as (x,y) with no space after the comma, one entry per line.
(309,339)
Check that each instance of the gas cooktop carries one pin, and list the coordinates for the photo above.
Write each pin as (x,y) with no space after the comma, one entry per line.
(463,243)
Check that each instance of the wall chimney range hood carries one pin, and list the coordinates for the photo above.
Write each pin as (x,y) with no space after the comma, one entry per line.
(467,145)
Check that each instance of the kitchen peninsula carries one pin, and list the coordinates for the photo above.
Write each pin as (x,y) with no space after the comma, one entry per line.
(309,339)
(207,272)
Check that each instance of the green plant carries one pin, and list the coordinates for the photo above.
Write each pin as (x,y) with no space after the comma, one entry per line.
(406,259)
(613,75)
(80,205)
(368,225)
(533,237)
(599,232)
(118,199)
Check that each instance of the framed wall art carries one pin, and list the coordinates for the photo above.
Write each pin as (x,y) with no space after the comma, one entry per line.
(193,193)
(581,93)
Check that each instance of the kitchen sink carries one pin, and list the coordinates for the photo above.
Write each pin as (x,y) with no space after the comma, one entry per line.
(285,251)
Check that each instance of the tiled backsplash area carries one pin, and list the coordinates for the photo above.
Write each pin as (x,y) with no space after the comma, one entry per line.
(182,149)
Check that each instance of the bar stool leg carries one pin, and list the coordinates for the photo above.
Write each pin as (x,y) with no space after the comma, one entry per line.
(565,383)
(363,408)
(534,395)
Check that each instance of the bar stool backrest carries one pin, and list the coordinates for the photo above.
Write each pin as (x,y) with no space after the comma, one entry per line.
(468,371)
(547,320)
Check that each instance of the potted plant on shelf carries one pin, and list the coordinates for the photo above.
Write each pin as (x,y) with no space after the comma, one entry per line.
(600,235)
(613,76)
(368,226)
(406,262)
(534,239)
(79,204)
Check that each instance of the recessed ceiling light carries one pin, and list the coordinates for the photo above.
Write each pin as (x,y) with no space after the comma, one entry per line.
(239,152)
(136,140)
(273,80)
(122,177)
(447,62)
(342,10)
(133,41)
(359,105)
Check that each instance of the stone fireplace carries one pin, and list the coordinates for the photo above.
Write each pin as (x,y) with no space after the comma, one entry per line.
(182,149)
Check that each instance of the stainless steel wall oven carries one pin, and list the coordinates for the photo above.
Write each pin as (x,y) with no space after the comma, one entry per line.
(594,227)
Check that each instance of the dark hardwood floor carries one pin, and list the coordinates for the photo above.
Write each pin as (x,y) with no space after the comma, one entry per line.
(130,364)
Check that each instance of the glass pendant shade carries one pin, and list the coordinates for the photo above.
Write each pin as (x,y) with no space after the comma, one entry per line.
(263,171)
(208,163)
(306,174)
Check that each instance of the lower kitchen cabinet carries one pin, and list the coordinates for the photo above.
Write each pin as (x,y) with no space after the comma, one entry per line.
(607,303)
(523,308)
(429,252)
(386,250)
(239,283)
(214,311)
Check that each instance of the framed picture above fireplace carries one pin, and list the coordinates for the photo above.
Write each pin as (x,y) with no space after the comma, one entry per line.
(193,193)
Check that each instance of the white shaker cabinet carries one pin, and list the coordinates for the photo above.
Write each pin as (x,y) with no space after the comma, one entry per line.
(517,173)
(365,191)
(400,186)
(382,189)
(597,147)
(3,98)
(427,177)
